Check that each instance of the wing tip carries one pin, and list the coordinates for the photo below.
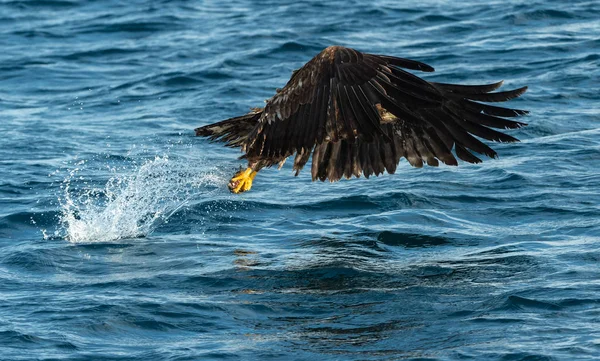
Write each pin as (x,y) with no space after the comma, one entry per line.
(201,132)
(495,85)
(426,68)
(522,90)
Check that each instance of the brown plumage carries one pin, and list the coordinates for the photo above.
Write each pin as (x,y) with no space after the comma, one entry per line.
(360,113)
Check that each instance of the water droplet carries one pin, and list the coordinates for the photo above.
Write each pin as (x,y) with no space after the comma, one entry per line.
(134,203)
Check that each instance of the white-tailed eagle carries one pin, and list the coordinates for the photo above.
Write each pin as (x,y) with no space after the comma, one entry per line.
(360,113)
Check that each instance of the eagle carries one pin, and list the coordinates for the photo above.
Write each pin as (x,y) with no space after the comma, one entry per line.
(358,114)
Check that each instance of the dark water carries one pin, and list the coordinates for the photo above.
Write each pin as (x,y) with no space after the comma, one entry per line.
(119,239)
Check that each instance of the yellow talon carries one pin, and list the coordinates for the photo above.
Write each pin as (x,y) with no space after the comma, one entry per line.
(242,181)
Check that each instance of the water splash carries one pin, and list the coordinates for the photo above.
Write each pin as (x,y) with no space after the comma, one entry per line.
(131,204)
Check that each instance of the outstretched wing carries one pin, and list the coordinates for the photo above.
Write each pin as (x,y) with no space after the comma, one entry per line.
(334,96)
(427,136)
(233,131)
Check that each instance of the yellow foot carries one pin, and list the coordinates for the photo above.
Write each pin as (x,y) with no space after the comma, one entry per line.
(242,181)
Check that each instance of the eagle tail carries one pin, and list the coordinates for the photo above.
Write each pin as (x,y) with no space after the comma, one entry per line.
(232,131)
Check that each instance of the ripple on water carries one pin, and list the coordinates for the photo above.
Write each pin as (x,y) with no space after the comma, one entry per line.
(141,253)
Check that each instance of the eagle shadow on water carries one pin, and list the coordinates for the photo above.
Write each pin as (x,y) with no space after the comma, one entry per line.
(359,114)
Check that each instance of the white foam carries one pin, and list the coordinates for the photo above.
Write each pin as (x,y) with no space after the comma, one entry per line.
(133,203)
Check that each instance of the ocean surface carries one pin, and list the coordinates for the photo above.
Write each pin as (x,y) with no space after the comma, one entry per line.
(120,241)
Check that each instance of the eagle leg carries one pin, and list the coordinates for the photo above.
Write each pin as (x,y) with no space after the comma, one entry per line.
(242,181)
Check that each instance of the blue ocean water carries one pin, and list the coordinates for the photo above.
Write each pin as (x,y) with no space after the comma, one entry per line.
(120,241)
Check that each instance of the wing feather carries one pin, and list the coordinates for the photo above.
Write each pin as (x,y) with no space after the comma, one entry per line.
(346,113)
(465,155)
(469,89)
(494,110)
(496,97)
